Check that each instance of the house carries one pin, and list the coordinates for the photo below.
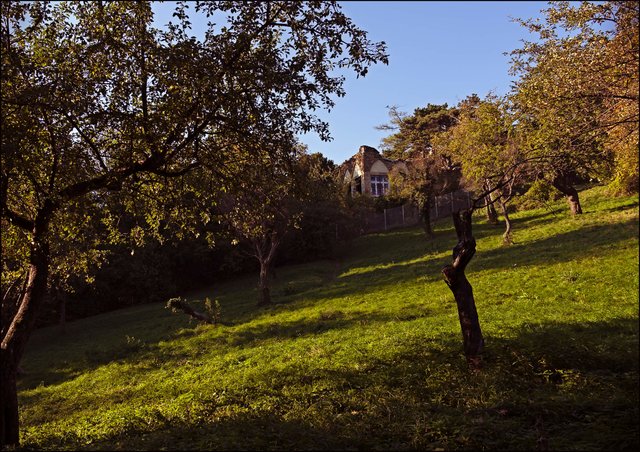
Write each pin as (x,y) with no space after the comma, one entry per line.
(367,172)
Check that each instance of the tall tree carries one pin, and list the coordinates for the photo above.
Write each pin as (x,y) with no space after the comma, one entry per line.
(430,173)
(326,223)
(95,100)
(269,202)
(260,209)
(578,93)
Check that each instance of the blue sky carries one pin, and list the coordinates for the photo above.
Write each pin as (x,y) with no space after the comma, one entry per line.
(439,52)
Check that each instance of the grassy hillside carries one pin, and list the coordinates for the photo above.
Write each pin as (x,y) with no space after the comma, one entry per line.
(366,353)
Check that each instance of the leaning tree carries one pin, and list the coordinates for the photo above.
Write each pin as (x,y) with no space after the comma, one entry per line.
(482,143)
(96,100)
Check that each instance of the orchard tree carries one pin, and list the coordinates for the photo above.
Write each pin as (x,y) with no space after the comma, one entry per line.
(96,100)
(260,209)
(268,202)
(430,173)
(484,143)
(326,223)
(578,93)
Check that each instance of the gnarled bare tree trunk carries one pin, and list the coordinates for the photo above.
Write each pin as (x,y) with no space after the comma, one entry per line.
(562,183)
(454,276)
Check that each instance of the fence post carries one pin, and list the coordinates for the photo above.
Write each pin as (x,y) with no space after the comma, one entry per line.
(451,194)
(385,219)
(402,214)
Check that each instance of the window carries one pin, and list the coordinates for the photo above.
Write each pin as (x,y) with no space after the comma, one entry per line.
(358,184)
(379,185)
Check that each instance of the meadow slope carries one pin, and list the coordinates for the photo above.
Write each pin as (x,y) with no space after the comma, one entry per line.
(366,353)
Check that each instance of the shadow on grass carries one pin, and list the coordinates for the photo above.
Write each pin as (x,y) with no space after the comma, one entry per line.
(565,385)
(584,242)
(563,247)
(404,245)
(247,431)
(620,208)
(131,350)
(326,321)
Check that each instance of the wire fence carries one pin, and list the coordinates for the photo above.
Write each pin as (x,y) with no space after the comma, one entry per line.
(408,215)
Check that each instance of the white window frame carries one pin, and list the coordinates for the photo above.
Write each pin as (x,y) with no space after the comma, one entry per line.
(379,185)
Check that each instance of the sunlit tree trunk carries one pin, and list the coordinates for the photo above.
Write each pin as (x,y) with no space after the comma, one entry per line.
(456,279)
(563,184)
(506,237)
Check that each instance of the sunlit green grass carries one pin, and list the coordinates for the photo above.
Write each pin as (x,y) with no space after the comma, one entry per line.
(366,353)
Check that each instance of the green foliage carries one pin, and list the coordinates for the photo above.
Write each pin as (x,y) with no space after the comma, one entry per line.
(366,353)
(388,202)
(431,171)
(483,142)
(213,309)
(578,90)
(100,101)
(413,133)
(539,194)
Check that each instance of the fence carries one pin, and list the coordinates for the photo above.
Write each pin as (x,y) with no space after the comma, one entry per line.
(407,215)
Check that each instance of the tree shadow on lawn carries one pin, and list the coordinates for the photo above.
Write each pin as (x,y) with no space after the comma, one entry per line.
(137,351)
(630,205)
(585,242)
(246,431)
(324,322)
(564,247)
(578,380)
(526,221)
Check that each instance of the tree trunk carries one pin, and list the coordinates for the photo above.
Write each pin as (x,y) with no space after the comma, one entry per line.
(492,215)
(17,334)
(506,237)
(563,184)
(10,428)
(456,279)
(266,248)
(265,277)
(425,215)
(62,311)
